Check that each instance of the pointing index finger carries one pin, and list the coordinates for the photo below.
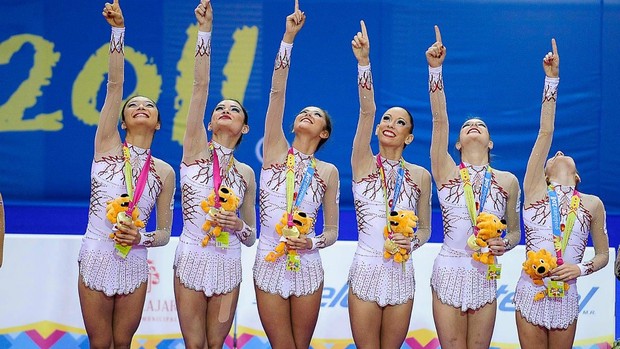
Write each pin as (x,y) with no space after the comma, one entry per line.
(364,32)
(437,34)
(555,47)
(296,5)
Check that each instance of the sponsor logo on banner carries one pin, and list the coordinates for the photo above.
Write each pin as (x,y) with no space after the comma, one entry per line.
(153,276)
(160,306)
(335,297)
(339,297)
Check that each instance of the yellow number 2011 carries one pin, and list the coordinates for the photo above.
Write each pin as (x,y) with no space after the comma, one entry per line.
(12,112)
(93,74)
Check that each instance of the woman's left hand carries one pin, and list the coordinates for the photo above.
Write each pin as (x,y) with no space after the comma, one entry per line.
(402,241)
(127,234)
(565,272)
(228,220)
(298,243)
(496,246)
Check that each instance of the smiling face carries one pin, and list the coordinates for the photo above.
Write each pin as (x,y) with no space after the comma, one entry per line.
(229,114)
(474,128)
(315,121)
(395,127)
(474,131)
(140,110)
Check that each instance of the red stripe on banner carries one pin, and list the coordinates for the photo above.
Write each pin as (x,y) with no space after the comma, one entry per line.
(414,344)
(45,343)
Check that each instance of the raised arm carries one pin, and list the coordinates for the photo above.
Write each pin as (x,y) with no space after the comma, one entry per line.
(275,145)
(442,164)
(107,137)
(534,183)
(361,157)
(195,139)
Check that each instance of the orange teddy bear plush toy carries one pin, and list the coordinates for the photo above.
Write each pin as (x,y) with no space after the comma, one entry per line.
(301,227)
(228,202)
(489,227)
(538,265)
(405,223)
(115,212)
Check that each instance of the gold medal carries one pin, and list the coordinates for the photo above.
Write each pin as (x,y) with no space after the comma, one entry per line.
(292,232)
(471,242)
(122,217)
(390,246)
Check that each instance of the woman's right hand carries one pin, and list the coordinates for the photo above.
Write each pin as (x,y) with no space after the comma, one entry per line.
(294,22)
(437,52)
(551,62)
(113,14)
(361,46)
(204,16)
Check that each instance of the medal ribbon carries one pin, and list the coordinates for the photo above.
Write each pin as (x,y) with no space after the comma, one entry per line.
(134,196)
(217,178)
(469,192)
(399,182)
(290,184)
(560,242)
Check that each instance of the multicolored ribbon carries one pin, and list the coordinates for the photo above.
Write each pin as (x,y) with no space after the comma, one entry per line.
(217,177)
(134,196)
(561,236)
(291,195)
(389,207)
(469,192)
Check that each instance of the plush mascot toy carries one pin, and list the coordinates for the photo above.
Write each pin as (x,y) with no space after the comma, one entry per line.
(301,226)
(403,222)
(115,212)
(228,202)
(489,227)
(538,265)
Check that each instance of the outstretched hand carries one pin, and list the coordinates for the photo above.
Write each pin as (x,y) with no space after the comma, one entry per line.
(437,52)
(294,22)
(204,15)
(361,46)
(113,14)
(551,62)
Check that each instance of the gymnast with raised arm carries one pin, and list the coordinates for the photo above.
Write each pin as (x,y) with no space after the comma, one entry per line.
(294,185)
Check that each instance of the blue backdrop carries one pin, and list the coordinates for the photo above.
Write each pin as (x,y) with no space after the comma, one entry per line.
(53,72)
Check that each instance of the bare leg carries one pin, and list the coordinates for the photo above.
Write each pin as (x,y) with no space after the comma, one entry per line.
(451,325)
(395,324)
(275,315)
(192,311)
(480,324)
(127,316)
(97,310)
(220,315)
(530,335)
(563,339)
(365,319)
(305,310)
